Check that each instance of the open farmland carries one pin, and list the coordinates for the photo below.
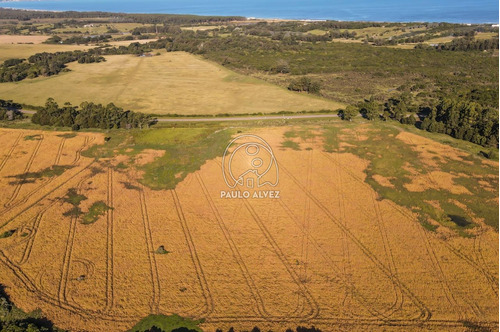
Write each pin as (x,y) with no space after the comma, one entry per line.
(83,229)
(13,39)
(177,83)
(11,47)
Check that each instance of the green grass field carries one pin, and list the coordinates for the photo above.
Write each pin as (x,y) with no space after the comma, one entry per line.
(185,151)
(178,83)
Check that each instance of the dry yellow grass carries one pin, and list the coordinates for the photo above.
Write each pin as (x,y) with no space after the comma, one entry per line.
(440,40)
(382,180)
(486,35)
(203,27)
(128,42)
(326,253)
(431,152)
(170,83)
(436,180)
(13,39)
(10,51)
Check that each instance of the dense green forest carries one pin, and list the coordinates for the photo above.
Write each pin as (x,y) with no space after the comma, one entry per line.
(465,120)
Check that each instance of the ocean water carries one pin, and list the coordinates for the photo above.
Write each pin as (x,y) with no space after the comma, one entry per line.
(455,11)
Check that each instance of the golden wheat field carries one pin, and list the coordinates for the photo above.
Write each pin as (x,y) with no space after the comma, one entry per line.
(326,253)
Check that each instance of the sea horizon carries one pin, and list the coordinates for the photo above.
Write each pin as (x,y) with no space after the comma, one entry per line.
(462,12)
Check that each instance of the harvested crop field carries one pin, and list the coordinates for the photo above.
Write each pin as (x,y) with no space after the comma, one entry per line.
(14,50)
(331,251)
(13,39)
(171,83)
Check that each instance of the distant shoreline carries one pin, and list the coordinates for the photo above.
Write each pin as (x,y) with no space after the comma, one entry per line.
(247,17)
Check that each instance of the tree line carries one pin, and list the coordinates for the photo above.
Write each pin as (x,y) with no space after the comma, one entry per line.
(90,115)
(78,39)
(455,116)
(465,120)
(43,64)
(26,15)
(48,64)
(469,44)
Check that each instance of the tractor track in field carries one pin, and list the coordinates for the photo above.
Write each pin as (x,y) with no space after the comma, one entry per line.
(445,285)
(155,277)
(200,274)
(492,279)
(18,187)
(314,308)
(261,310)
(28,195)
(31,287)
(109,243)
(430,251)
(346,266)
(304,248)
(31,239)
(59,151)
(437,265)
(87,314)
(68,252)
(5,223)
(45,183)
(78,154)
(36,224)
(11,150)
(399,300)
(41,294)
(425,312)
(347,284)
(478,250)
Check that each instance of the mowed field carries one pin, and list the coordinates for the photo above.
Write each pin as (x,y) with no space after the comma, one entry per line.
(330,252)
(10,47)
(178,83)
